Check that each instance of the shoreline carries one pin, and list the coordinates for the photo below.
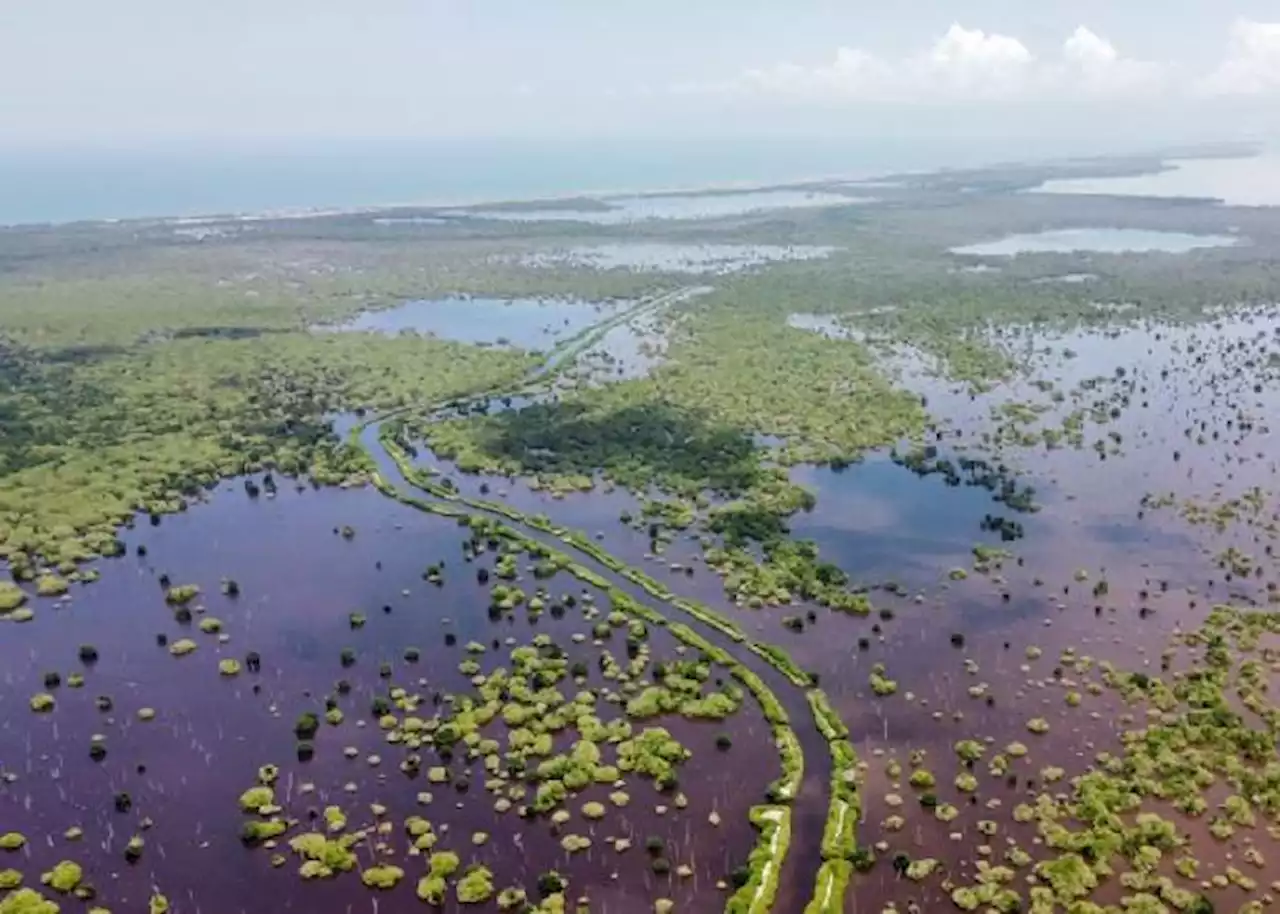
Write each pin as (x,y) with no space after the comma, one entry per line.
(440,207)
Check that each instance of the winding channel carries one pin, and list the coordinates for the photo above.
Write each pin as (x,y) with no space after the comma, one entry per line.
(815,755)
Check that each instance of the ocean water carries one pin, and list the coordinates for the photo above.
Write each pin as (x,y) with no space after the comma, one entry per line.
(55,187)
(1251,181)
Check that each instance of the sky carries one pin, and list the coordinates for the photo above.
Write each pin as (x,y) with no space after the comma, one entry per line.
(240,73)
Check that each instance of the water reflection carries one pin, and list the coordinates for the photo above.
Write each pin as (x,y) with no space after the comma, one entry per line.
(877,520)
(524,322)
(299,582)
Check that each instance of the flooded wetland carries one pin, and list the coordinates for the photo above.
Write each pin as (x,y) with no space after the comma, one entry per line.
(748,552)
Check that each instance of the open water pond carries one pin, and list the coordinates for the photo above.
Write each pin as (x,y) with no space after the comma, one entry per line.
(713,205)
(529,323)
(1248,181)
(676,258)
(1099,240)
(879,521)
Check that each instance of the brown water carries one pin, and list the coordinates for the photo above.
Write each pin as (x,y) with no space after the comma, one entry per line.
(299,581)
(1206,392)
(809,808)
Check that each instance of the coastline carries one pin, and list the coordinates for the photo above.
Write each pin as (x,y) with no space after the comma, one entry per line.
(437,205)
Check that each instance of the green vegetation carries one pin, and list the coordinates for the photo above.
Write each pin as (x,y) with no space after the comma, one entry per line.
(181,594)
(839,836)
(255,798)
(11,596)
(182,647)
(382,877)
(515,717)
(27,901)
(475,886)
(255,832)
(833,881)
(134,389)
(64,877)
(757,892)
(792,757)
(324,857)
(1198,766)
(140,368)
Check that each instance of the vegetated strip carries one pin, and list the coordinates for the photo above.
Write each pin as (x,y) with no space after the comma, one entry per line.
(774,656)
(839,840)
(765,861)
(839,834)
(844,808)
(757,895)
(828,895)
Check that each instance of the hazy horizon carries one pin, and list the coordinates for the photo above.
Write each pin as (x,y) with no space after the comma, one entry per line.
(95,185)
(148,74)
(143,108)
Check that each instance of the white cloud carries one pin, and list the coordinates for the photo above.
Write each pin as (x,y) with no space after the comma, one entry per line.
(969,62)
(1252,65)
(1094,66)
(853,73)
(963,65)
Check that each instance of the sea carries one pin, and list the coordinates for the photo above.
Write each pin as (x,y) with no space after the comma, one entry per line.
(62,186)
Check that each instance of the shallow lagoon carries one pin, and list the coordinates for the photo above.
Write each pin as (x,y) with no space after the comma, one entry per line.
(625,209)
(529,323)
(1251,181)
(676,258)
(1095,240)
